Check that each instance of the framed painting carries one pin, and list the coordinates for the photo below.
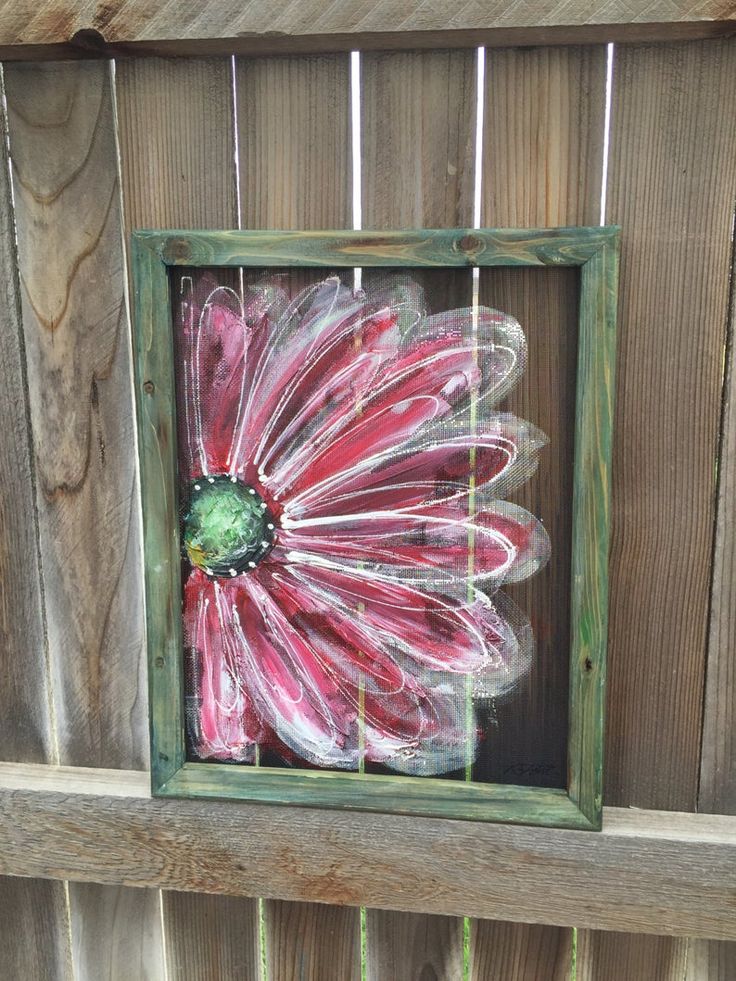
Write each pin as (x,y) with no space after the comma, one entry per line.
(344,510)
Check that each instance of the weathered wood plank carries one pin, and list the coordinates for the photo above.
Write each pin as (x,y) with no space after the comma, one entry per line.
(177,143)
(75,327)
(294,144)
(710,960)
(255,27)
(676,212)
(417,157)
(612,956)
(501,951)
(309,940)
(645,871)
(34,930)
(210,938)
(177,148)
(418,118)
(68,219)
(293,124)
(25,725)
(717,791)
(414,945)
(116,933)
(33,913)
(542,165)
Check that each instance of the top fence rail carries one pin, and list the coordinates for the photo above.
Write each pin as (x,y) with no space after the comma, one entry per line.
(59,29)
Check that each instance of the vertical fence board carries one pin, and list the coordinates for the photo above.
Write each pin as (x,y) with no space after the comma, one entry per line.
(542,166)
(672,183)
(711,960)
(717,792)
(414,946)
(177,152)
(33,914)
(177,144)
(62,143)
(34,939)
(116,933)
(210,938)
(25,725)
(311,941)
(519,951)
(418,139)
(635,957)
(418,121)
(293,124)
(70,255)
(294,142)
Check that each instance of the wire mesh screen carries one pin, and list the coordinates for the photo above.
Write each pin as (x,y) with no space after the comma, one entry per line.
(368,516)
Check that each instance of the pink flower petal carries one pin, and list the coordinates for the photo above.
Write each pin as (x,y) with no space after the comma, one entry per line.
(499,453)
(220,714)
(438,548)
(412,718)
(445,358)
(215,344)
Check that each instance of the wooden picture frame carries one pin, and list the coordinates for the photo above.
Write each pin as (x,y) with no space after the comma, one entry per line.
(595,252)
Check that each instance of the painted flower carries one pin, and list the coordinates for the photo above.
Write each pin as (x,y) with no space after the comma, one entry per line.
(344,468)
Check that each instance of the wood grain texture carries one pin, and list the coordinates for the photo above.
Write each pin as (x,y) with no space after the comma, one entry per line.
(70,254)
(717,791)
(502,951)
(210,938)
(177,143)
(116,933)
(76,334)
(312,942)
(650,871)
(417,160)
(293,124)
(414,946)
(25,717)
(33,913)
(294,144)
(418,119)
(255,27)
(177,147)
(710,960)
(34,930)
(672,184)
(613,956)
(542,165)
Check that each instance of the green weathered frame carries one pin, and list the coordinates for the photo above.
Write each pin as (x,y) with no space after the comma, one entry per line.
(595,251)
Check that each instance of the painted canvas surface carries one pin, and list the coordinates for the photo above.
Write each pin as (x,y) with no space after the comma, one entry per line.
(345,465)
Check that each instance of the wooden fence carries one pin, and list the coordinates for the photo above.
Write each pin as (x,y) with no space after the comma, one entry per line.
(101,146)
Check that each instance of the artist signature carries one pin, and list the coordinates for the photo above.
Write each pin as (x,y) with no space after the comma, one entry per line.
(529,769)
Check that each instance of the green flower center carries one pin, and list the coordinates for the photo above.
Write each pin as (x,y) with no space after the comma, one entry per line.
(228,528)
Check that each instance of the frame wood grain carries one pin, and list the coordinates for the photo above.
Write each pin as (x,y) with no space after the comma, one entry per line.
(595,251)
